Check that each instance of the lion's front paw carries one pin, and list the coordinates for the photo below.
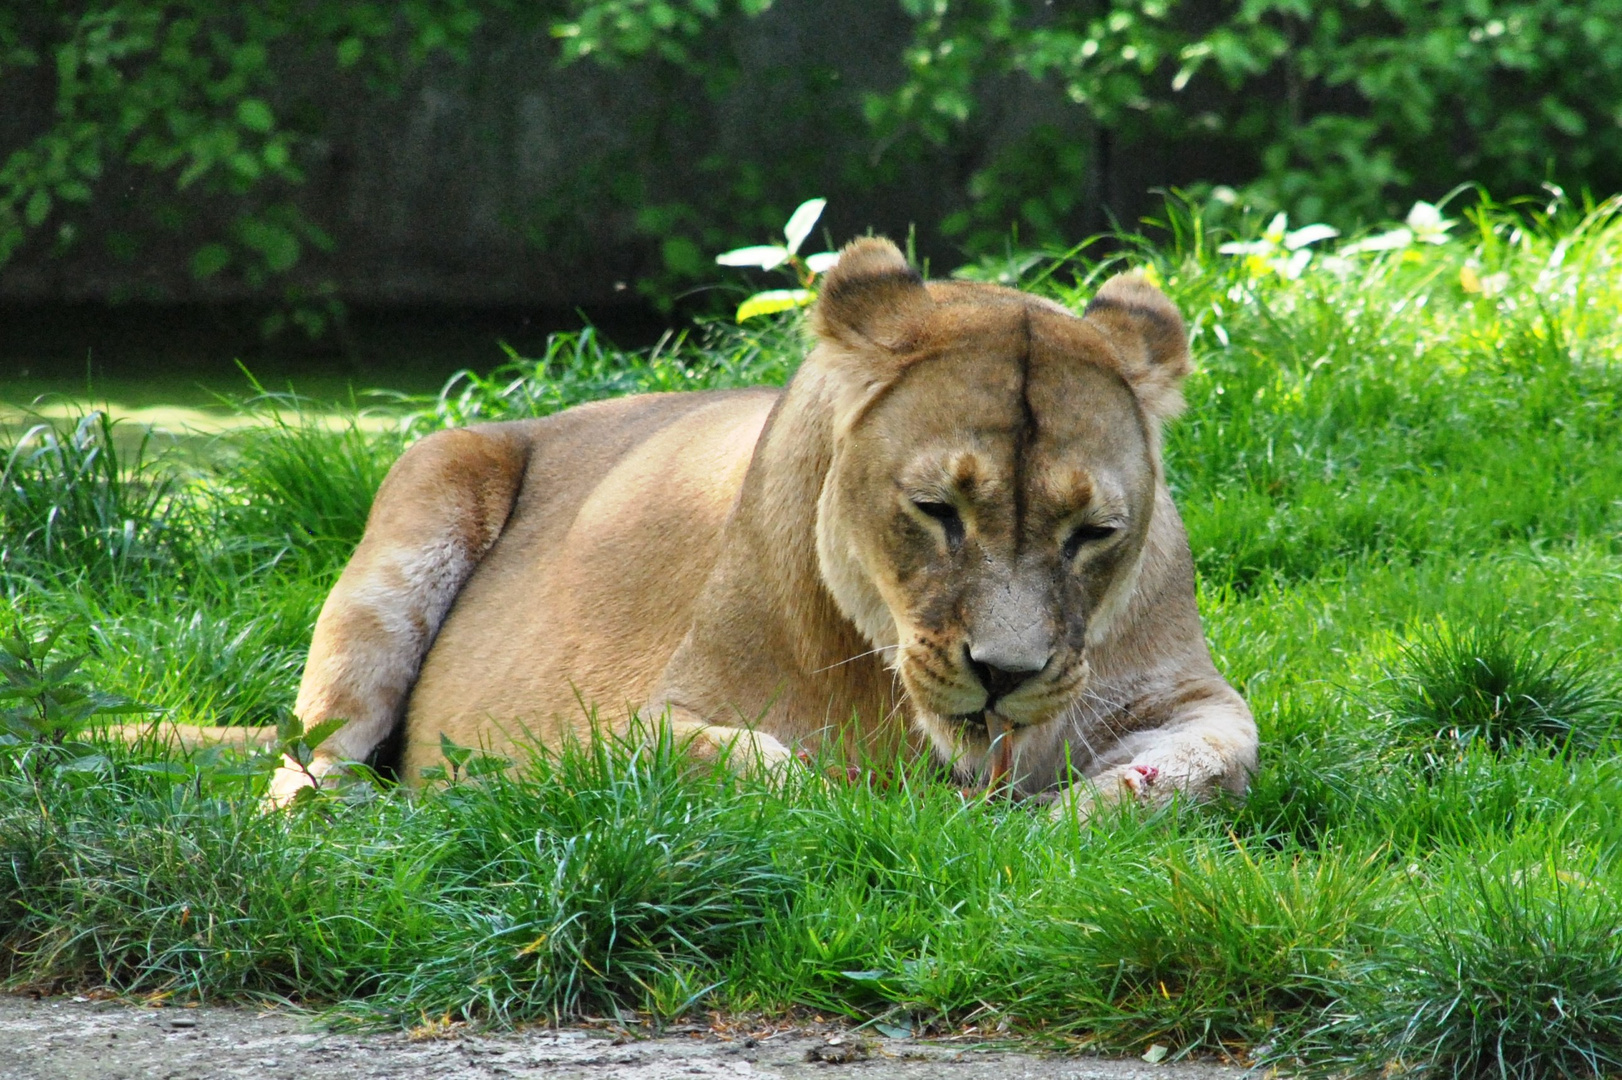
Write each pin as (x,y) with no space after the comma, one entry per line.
(1141,780)
(765,753)
(749,753)
(291,778)
(1138,784)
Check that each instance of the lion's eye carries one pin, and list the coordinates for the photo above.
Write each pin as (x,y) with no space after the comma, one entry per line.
(947,515)
(1086,534)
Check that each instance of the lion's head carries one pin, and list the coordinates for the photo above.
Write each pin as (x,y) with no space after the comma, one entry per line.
(994,473)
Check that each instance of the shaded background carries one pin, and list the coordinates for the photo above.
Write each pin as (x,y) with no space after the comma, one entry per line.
(392,188)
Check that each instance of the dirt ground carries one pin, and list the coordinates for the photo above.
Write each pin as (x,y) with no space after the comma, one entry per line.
(76,1039)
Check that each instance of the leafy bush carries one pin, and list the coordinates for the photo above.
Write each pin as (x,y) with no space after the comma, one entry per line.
(183,91)
(43,711)
(1340,111)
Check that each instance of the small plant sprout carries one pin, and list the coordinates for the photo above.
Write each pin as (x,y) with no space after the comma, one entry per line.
(43,710)
(297,745)
(463,762)
(771,256)
(1279,250)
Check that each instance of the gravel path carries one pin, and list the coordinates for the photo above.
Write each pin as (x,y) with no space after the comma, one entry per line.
(65,1039)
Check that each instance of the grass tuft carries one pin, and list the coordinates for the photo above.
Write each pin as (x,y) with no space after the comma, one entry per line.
(609,878)
(1512,974)
(72,502)
(301,486)
(1493,683)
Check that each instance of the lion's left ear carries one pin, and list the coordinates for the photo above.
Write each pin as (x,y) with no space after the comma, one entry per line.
(1149,337)
(870,297)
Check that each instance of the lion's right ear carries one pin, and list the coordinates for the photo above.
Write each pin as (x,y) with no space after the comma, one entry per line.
(870,298)
(1149,337)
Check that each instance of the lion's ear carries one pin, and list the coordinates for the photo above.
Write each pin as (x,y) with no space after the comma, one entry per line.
(870,297)
(1149,337)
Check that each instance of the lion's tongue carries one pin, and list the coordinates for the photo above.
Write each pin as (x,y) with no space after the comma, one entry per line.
(1002,752)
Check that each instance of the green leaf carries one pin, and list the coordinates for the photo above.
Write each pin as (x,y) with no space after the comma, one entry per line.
(246,165)
(278,246)
(289,729)
(255,115)
(88,763)
(774,300)
(320,733)
(38,208)
(456,755)
(350,50)
(64,667)
(170,770)
(682,256)
(485,764)
(869,976)
(209,260)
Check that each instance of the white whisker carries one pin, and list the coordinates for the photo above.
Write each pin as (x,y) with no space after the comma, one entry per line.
(853,659)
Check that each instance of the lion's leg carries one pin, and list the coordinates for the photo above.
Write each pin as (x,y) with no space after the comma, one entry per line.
(1206,747)
(440,508)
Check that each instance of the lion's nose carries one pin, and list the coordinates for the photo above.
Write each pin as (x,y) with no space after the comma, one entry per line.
(1001,675)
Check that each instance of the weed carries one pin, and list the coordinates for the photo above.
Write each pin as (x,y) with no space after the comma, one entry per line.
(43,712)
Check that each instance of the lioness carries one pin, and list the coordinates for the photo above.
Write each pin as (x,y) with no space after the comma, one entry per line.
(949,533)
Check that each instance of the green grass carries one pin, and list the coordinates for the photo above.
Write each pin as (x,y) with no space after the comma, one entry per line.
(1402,479)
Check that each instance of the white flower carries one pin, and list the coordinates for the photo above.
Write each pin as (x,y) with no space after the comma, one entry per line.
(1279,250)
(800,222)
(1428,224)
(1394,240)
(765,256)
(771,256)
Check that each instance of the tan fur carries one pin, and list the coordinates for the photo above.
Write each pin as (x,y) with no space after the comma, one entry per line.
(770,571)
